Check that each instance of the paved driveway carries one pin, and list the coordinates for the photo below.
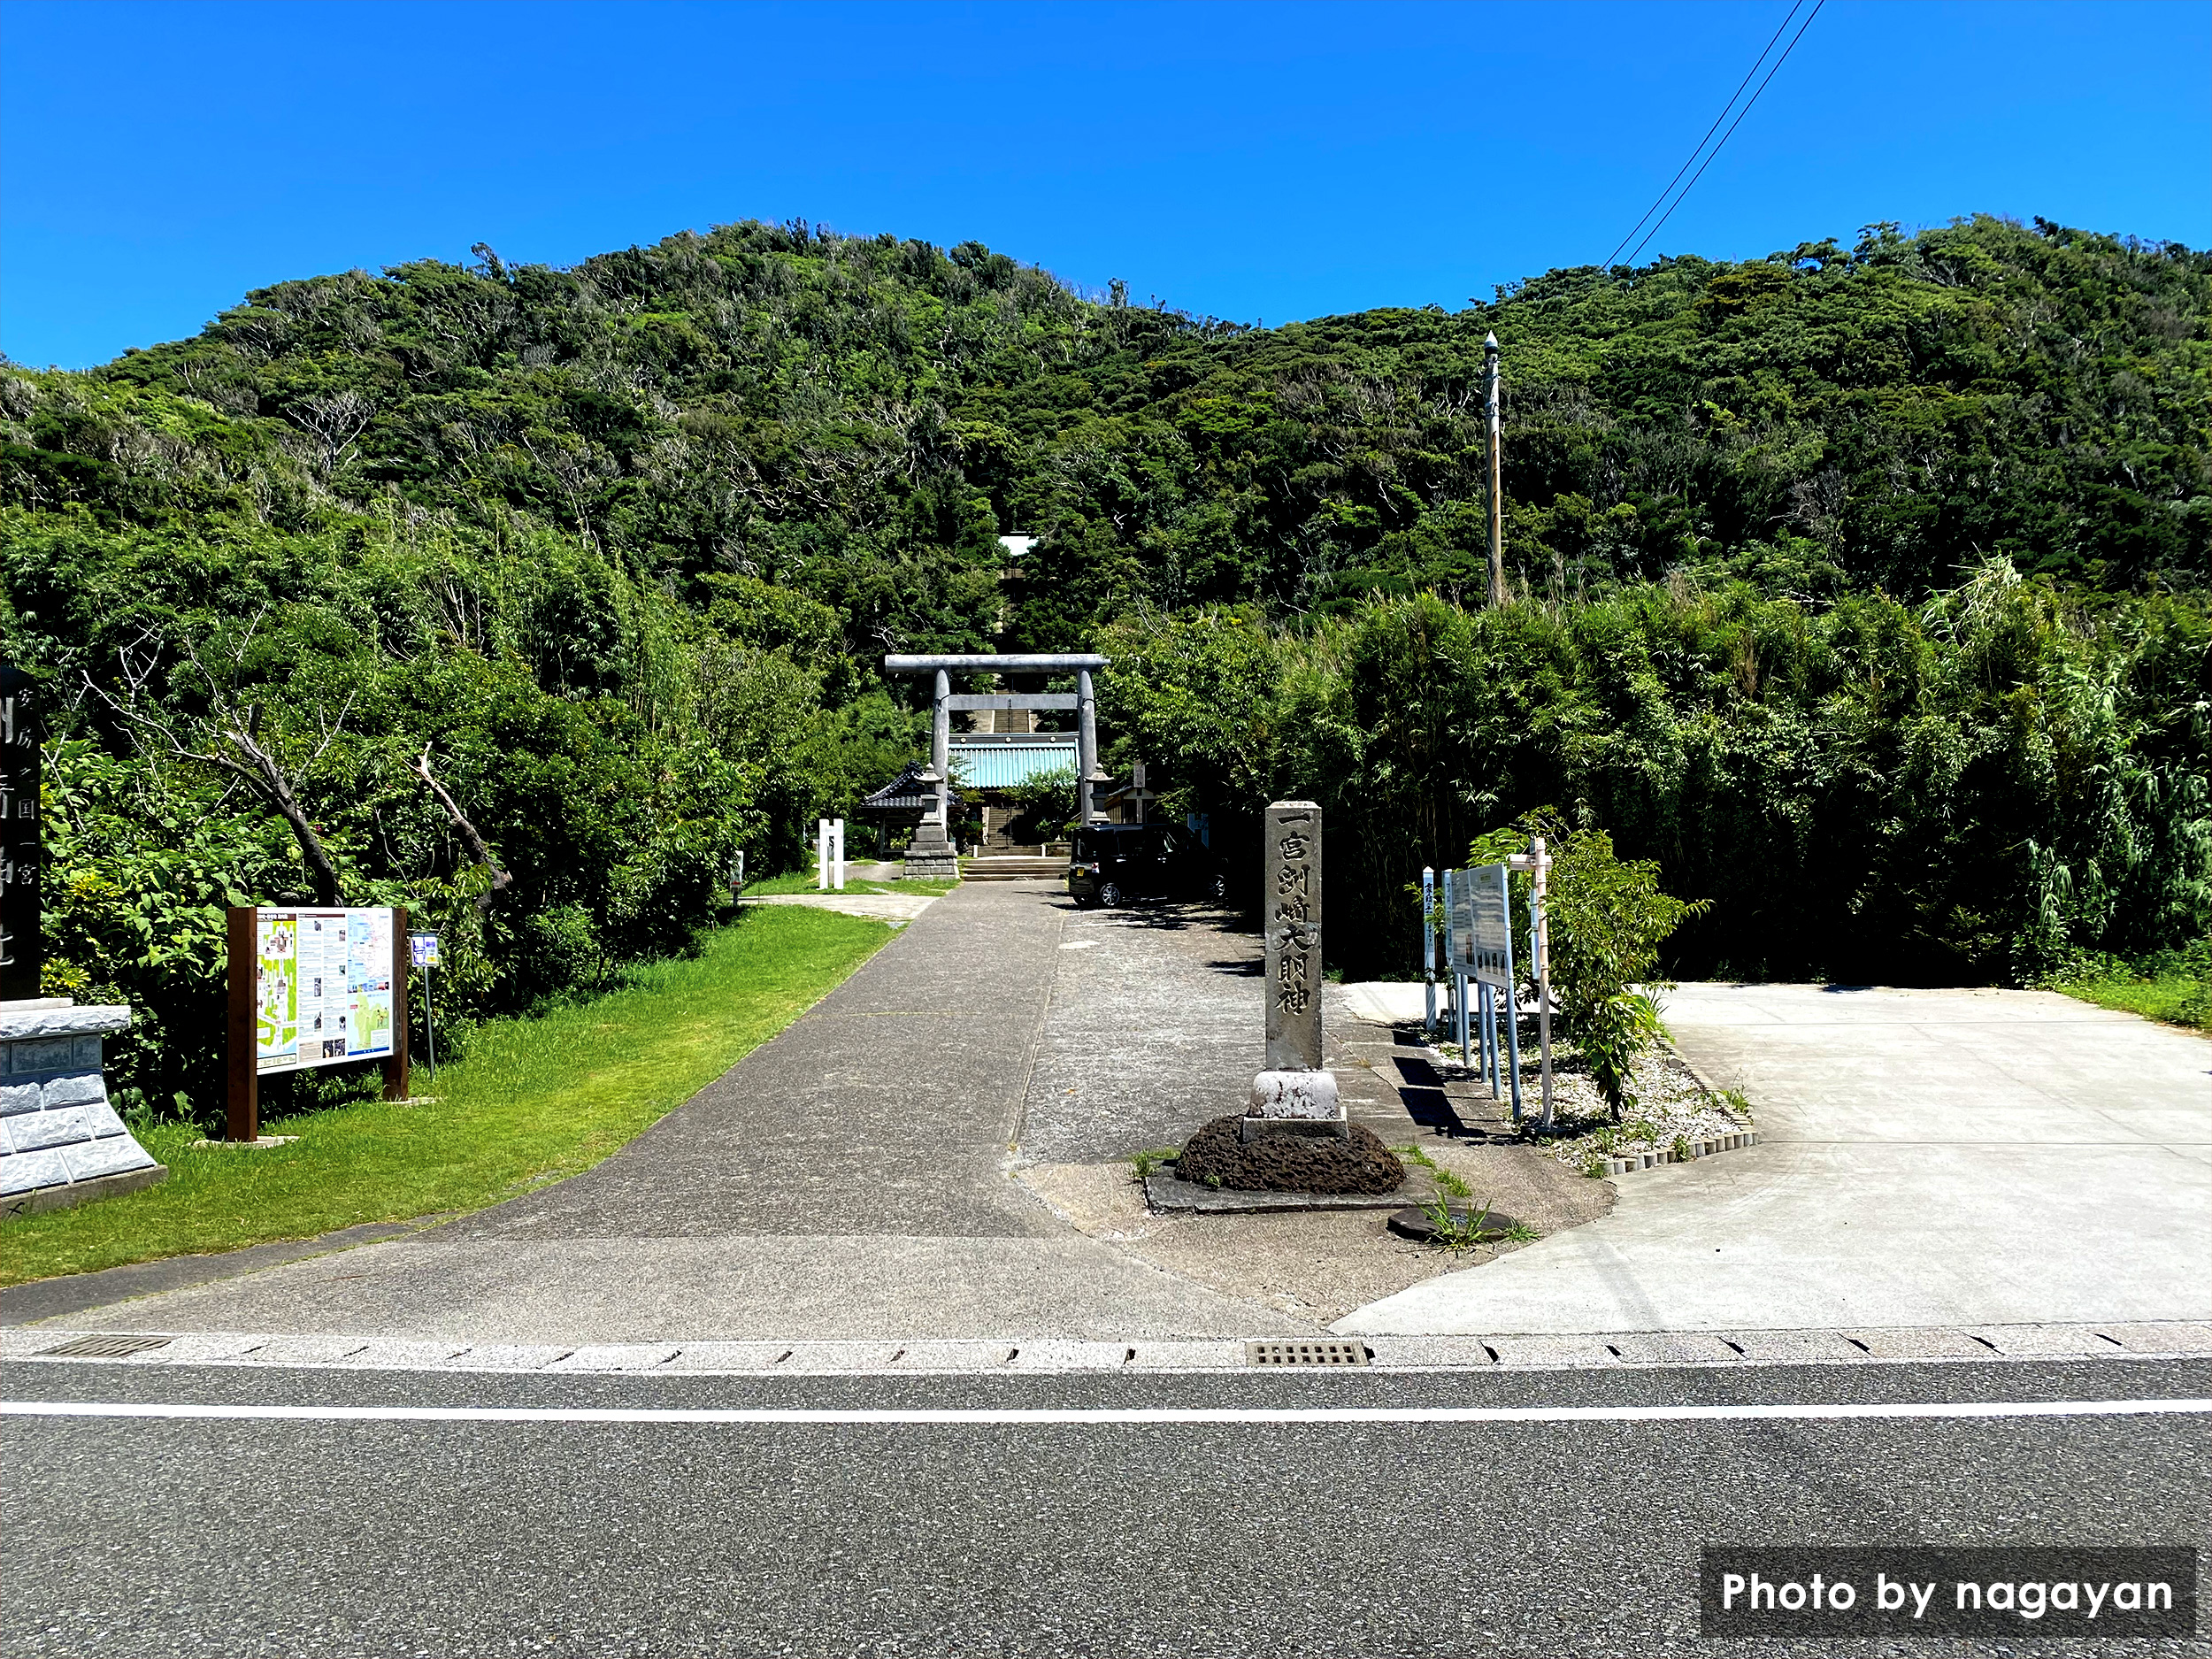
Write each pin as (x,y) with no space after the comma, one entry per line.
(846,1179)
(1931,1158)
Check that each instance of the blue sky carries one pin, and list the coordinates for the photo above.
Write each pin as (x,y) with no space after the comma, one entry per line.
(1249,161)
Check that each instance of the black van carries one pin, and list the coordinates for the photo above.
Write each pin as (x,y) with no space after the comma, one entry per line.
(1110,864)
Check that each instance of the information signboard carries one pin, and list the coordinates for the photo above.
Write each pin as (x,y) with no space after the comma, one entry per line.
(311,985)
(322,987)
(1478,927)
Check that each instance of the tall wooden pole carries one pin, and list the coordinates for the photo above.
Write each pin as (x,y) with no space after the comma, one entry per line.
(397,1080)
(1497,494)
(242,1098)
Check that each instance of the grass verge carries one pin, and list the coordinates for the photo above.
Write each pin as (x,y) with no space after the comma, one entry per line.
(805,881)
(2175,986)
(535,1101)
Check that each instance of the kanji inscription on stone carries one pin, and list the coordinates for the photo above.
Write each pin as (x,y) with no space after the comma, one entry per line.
(21,946)
(1293,936)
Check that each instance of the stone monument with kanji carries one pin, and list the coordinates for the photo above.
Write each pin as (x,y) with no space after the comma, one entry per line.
(1296,1094)
(1293,1134)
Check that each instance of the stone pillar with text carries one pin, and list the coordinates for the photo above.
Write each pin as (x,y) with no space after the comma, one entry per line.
(1296,1094)
(61,1142)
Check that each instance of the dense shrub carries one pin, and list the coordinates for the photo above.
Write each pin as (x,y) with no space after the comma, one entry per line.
(1963,793)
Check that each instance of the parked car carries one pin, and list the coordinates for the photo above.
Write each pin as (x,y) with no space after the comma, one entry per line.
(1110,864)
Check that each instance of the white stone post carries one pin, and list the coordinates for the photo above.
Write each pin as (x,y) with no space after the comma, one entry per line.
(837,854)
(821,855)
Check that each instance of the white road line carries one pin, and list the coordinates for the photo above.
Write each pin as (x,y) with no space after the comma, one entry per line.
(956,1416)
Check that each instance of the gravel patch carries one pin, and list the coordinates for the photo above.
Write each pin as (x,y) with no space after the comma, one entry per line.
(1671,1107)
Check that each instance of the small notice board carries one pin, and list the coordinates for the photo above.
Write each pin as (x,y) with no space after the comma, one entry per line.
(322,987)
(312,986)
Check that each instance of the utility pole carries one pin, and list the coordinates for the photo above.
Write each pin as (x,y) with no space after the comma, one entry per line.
(1497,494)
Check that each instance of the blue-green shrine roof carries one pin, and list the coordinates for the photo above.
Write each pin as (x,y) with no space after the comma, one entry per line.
(1005,761)
(982,760)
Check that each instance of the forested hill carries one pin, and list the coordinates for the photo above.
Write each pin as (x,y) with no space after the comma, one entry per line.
(857,418)
(533,595)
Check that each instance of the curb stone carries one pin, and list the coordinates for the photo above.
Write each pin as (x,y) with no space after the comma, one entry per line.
(1710,1148)
(2176,1339)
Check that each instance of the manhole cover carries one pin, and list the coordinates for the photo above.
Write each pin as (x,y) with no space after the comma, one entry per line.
(104,1347)
(1305,1353)
(1414,1222)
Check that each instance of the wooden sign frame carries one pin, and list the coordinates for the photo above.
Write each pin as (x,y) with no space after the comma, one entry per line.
(242,1093)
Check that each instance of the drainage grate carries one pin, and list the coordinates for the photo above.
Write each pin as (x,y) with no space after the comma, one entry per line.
(105,1347)
(1305,1353)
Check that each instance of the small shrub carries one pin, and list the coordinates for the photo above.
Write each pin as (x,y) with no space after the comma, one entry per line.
(1608,918)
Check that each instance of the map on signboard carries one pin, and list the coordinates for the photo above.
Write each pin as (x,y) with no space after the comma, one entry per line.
(1478,927)
(422,949)
(336,974)
(368,982)
(276,990)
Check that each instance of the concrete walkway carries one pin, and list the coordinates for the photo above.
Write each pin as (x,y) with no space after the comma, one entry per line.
(1931,1158)
(847,1179)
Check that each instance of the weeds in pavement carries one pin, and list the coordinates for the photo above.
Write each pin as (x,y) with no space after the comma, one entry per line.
(1148,1163)
(1464,1229)
(1445,1181)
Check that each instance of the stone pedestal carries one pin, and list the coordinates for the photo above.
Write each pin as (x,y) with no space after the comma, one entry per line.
(1295,1103)
(60,1141)
(1295,1096)
(930,856)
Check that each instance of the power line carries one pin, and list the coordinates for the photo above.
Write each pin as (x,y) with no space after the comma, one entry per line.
(1732,125)
(1709,131)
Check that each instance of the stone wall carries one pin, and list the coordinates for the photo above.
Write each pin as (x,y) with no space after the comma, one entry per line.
(60,1141)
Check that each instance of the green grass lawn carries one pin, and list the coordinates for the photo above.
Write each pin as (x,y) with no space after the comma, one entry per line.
(535,1100)
(2178,998)
(803,881)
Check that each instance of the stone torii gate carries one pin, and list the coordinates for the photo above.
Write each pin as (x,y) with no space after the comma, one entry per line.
(932,852)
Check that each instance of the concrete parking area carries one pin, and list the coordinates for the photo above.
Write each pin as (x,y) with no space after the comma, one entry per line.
(1930,1158)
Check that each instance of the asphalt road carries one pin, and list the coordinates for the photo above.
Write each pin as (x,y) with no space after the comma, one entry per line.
(238,1536)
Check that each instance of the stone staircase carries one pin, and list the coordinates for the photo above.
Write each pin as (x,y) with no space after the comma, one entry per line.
(1010,868)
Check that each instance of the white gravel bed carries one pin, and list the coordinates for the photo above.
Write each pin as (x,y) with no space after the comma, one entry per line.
(1673,1119)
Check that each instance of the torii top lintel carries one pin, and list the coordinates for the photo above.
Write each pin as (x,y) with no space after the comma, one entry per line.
(991,662)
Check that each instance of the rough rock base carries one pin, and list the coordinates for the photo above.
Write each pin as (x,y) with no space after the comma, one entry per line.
(1289,1163)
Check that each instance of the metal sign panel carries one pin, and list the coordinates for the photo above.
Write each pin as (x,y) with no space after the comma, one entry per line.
(322,987)
(1478,924)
